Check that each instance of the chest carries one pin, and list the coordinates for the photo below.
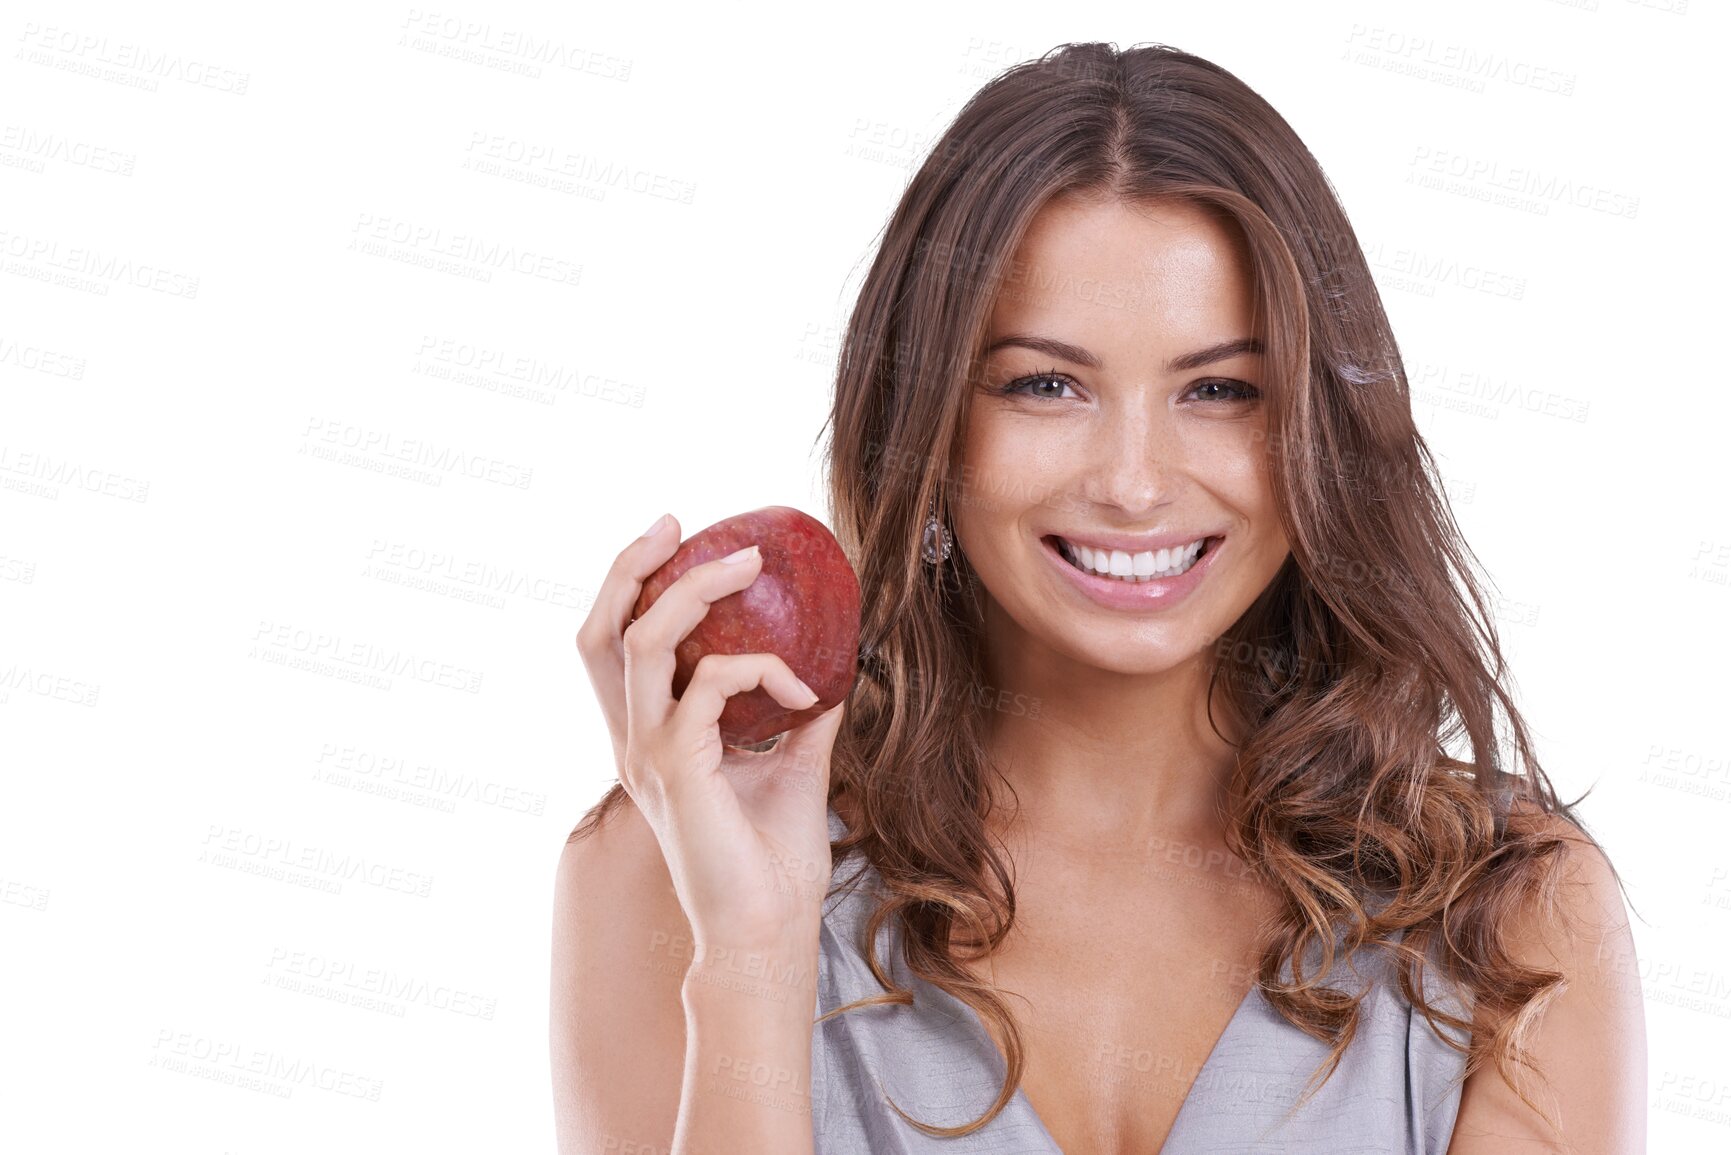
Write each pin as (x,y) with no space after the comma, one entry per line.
(1121,990)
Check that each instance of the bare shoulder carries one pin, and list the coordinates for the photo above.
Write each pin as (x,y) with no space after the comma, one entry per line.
(1586,917)
(621,944)
(1589,1042)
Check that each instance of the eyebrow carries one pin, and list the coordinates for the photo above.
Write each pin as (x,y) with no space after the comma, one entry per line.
(1238,346)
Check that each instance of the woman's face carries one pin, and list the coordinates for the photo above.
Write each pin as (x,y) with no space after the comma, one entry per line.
(1123,438)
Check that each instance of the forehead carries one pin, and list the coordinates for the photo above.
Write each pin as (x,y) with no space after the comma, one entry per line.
(1087,265)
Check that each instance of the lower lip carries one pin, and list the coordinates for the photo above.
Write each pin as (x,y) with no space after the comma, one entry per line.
(1154,594)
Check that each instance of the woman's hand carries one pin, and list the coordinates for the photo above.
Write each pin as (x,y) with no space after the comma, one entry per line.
(745,835)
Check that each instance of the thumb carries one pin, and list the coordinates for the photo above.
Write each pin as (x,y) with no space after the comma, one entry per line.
(807,751)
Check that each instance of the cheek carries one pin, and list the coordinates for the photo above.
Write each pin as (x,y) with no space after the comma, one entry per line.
(1238,472)
(1234,464)
(1006,466)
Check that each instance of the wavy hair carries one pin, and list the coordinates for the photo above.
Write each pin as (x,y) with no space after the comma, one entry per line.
(1366,660)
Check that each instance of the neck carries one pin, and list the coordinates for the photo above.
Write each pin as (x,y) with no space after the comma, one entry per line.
(1103,759)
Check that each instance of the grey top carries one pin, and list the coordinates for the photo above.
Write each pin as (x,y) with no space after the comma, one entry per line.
(1397,1088)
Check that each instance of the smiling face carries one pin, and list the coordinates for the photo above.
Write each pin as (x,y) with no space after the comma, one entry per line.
(1123,437)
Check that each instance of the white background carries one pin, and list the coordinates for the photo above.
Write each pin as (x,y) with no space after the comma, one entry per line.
(258,444)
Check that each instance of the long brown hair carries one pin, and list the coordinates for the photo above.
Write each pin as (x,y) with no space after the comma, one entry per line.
(1367,660)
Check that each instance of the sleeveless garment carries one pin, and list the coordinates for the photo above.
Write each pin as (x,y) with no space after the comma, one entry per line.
(1397,1088)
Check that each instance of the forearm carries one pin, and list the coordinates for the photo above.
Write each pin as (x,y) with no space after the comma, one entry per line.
(748,1028)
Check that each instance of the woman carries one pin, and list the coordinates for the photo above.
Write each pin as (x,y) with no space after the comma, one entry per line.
(1194,809)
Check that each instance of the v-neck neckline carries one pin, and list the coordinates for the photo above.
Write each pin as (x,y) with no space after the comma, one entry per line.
(838,827)
(1021,1095)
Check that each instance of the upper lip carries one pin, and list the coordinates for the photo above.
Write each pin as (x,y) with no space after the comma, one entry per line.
(1135,543)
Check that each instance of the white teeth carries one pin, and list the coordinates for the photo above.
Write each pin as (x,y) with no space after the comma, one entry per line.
(1139,567)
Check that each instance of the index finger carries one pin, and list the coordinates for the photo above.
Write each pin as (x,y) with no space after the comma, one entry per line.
(599,638)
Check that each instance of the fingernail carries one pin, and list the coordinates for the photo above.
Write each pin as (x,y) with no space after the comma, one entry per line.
(654,529)
(740,555)
(811,693)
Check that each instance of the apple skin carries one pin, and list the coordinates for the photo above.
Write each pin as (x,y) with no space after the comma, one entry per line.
(803,606)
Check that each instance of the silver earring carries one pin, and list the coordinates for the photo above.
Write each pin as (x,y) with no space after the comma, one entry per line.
(937,542)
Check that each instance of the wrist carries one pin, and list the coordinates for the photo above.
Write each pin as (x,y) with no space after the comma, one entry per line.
(780,971)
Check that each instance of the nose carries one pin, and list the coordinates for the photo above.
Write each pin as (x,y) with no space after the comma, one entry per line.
(1135,462)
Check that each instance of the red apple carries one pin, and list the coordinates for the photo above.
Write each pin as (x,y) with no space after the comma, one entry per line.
(802,606)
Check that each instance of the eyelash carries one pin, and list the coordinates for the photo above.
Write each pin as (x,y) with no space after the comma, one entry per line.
(1246,392)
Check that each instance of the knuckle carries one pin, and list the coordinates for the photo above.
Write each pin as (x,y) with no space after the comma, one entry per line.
(596,634)
(718,665)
